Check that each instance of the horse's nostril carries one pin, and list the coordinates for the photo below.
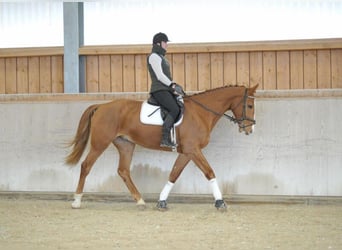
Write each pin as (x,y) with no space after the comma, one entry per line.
(248,132)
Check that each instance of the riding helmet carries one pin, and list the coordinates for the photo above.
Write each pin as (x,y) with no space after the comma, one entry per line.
(160,37)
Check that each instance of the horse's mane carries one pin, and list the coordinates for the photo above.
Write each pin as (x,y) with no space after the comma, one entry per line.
(215,89)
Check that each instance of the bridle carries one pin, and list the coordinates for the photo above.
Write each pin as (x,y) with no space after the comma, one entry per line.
(244,111)
(239,121)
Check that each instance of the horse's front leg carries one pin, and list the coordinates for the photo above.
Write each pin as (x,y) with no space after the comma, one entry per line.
(126,149)
(179,165)
(198,158)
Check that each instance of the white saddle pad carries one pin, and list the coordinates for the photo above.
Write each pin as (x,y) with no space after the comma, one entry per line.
(150,114)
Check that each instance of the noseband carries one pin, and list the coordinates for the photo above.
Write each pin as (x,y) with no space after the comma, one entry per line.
(240,120)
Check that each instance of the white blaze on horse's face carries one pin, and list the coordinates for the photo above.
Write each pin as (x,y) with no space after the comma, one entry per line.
(253,110)
(253,114)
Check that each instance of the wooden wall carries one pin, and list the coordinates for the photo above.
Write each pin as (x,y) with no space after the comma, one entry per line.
(31,70)
(275,65)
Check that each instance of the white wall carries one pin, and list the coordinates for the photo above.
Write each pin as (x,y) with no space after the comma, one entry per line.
(40,23)
(296,149)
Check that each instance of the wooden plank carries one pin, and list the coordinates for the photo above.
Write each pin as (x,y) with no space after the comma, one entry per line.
(178,68)
(11,75)
(128,73)
(229,68)
(310,69)
(296,69)
(45,74)
(22,75)
(141,76)
(336,68)
(256,69)
(191,72)
(242,73)
(283,70)
(216,70)
(331,43)
(104,73)
(2,76)
(92,74)
(269,70)
(28,52)
(286,45)
(323,69)
(183,48)
(61,97)
(203,71)
(57,74)
(34,80)
(116,73)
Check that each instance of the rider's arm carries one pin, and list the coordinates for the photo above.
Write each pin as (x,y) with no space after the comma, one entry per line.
(155,61)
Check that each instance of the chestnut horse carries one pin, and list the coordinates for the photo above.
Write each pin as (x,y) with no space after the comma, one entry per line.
(118,122)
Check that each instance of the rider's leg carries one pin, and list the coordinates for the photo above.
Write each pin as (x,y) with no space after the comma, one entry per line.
(166,137)
(167,101)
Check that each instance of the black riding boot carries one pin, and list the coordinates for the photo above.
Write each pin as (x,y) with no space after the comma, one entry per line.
(166,138)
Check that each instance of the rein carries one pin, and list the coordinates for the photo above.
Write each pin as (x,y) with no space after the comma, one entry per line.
(229,117)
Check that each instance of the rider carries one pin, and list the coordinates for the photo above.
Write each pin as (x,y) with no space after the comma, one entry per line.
(163,89)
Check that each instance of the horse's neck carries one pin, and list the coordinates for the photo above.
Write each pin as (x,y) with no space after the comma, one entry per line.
(220,100)
(217,102)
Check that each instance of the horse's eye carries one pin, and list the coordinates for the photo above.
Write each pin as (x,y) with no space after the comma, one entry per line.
(250,106)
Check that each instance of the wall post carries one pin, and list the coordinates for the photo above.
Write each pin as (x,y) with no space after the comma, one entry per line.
(74,65)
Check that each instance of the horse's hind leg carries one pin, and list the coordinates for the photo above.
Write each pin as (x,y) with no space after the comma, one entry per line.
(126,149)
(86,166)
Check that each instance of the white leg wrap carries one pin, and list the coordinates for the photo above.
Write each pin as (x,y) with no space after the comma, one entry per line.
(216,190)
(77,201)
(165,192)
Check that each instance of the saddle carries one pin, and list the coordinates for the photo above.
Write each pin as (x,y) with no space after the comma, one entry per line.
(153,114)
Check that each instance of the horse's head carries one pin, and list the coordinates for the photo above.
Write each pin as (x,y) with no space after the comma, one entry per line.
(244,110)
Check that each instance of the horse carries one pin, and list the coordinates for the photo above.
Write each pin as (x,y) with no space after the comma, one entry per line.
(118,123)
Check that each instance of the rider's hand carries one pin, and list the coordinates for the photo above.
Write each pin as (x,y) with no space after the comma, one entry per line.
(177,89)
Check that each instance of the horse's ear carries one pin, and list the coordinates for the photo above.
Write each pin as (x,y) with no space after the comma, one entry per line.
(253,89)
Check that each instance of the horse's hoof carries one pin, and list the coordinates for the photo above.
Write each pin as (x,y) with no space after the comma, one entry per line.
(221,205)
(141,205)
(76,205)
(162,206)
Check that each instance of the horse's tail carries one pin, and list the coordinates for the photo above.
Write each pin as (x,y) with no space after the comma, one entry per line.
(80,140)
